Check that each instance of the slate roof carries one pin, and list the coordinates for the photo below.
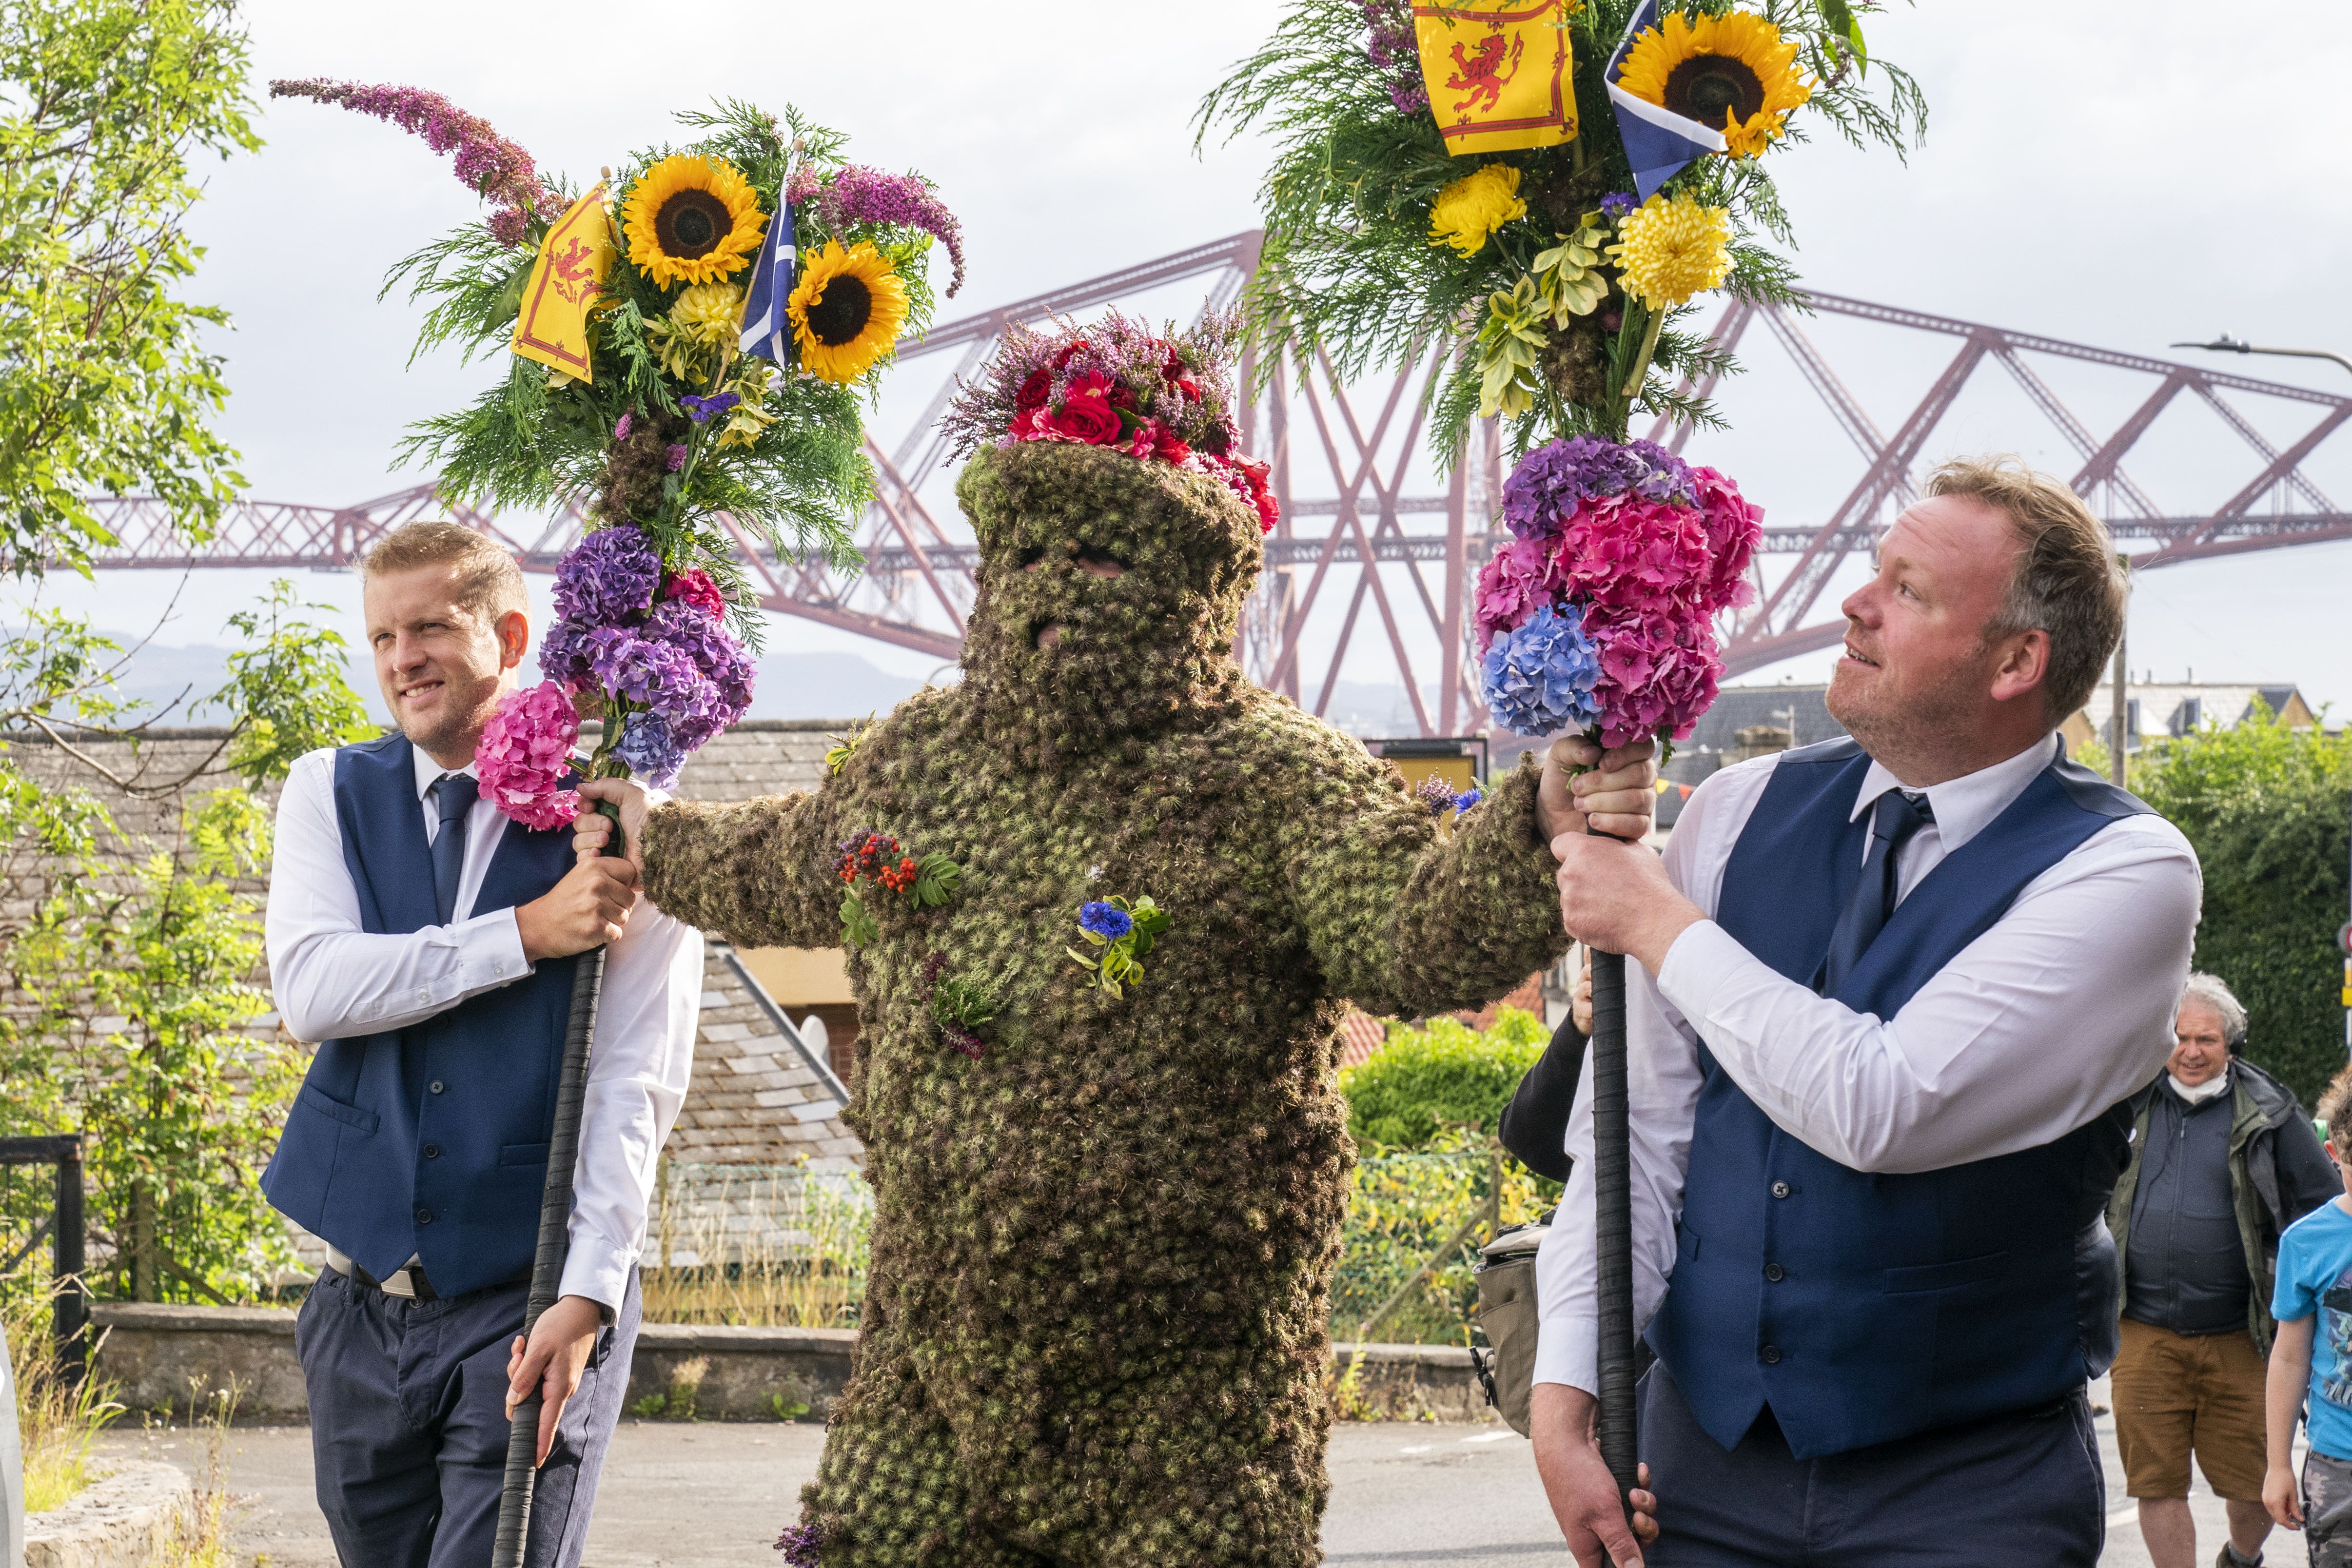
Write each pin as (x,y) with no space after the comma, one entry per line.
(1714,741)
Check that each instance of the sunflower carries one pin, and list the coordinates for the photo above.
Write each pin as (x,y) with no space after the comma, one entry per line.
(1734,71)
(846,310)
(691,220)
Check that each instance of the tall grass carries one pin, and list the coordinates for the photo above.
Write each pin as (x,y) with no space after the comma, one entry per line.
(59,1421)
(774,1245)
(202,1540)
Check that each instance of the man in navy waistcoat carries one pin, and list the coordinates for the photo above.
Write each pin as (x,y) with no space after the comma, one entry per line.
(428,943)
(1892,993)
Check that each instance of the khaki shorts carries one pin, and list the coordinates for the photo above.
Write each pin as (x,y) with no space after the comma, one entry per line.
(2175,1392)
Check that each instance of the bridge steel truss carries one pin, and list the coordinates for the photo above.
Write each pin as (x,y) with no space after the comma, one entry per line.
(1341,459)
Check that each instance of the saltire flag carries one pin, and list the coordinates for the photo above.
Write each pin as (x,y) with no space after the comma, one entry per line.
(1659,142)
(552,325)
(1498,73)
(767,331)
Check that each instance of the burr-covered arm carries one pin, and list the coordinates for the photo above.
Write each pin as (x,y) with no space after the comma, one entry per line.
(1407,922)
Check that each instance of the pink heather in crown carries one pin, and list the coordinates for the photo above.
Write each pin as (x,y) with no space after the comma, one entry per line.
(524,753)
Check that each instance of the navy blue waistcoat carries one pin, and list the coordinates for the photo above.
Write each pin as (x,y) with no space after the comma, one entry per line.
(429,1140)
(1863,1308)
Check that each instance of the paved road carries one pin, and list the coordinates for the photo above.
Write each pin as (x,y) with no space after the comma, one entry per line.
(714,1496)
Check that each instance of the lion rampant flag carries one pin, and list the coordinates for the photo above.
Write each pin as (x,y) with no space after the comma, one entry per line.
(573,260)
(1498,73)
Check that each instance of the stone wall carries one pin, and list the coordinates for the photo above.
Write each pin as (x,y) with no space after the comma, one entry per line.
(711,1374)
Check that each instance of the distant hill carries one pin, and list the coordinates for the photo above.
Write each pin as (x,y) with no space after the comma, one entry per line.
(825,686)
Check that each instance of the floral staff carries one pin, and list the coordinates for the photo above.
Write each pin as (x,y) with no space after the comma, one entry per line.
(635,385)
(1562,267)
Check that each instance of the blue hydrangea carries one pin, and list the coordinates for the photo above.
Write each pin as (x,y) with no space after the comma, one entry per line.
(1108,921)
(1539,679)
(652,751)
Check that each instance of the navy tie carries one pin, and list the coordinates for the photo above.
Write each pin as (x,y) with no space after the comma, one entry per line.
(452,797)
(1892,822)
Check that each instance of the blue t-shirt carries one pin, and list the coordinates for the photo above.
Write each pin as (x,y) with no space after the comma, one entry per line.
(2315,1274)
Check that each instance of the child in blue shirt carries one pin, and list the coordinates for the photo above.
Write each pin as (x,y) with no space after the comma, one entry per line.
(2311,1360)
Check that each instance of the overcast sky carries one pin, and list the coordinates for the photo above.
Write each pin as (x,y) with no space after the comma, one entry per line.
(2117,177)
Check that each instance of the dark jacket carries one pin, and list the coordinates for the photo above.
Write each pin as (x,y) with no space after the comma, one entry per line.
(2278,1174)
(1535,1124)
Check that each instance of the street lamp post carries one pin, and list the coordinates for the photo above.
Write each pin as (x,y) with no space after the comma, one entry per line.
(2225,343)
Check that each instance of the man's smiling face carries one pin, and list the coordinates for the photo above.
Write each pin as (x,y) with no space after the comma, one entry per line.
(1915,651)
(440,661)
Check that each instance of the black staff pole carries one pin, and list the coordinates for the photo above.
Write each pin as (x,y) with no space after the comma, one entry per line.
(554,1235)
(1612,1200)
(1612,1197)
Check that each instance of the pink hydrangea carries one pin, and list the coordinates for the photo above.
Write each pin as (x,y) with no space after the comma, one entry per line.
(694,586)
(1735,525)
(1520,579)
(525,750)
(1627,552)
(1658,671)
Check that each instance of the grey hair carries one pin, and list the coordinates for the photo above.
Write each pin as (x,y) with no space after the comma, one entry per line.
(2212,991)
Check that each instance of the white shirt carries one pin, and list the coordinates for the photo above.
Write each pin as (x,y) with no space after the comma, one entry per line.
(2060,1010)
(332,980)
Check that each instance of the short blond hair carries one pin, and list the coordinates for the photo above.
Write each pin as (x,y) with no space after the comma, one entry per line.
(489,581)
(2067,584)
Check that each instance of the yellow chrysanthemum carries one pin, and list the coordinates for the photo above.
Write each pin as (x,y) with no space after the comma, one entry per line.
(846,310)
(1670,250)
(692,220)
(1733,71)
(710,313)
(1475,206)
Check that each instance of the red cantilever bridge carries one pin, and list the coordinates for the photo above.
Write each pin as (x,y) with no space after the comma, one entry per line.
(1342,457)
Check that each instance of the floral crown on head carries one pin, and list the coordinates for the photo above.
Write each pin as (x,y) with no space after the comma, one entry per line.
(1161,397)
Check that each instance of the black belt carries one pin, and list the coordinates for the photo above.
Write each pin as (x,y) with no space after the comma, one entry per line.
(421,1288)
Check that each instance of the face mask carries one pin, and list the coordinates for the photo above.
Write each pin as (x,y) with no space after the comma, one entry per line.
(2203,1091)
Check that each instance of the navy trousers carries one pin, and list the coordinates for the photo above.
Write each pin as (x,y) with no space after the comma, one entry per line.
(408,1426)
(2023,1488)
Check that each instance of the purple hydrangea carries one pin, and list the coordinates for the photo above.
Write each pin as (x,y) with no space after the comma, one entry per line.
(608,579)
(1108,921)
(660,677)
(681,624)
(1545,489)
(860,194)
(1539,679)
(653,752)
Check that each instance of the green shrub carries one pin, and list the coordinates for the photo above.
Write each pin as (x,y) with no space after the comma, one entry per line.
(1439,1074)
(2266,808)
